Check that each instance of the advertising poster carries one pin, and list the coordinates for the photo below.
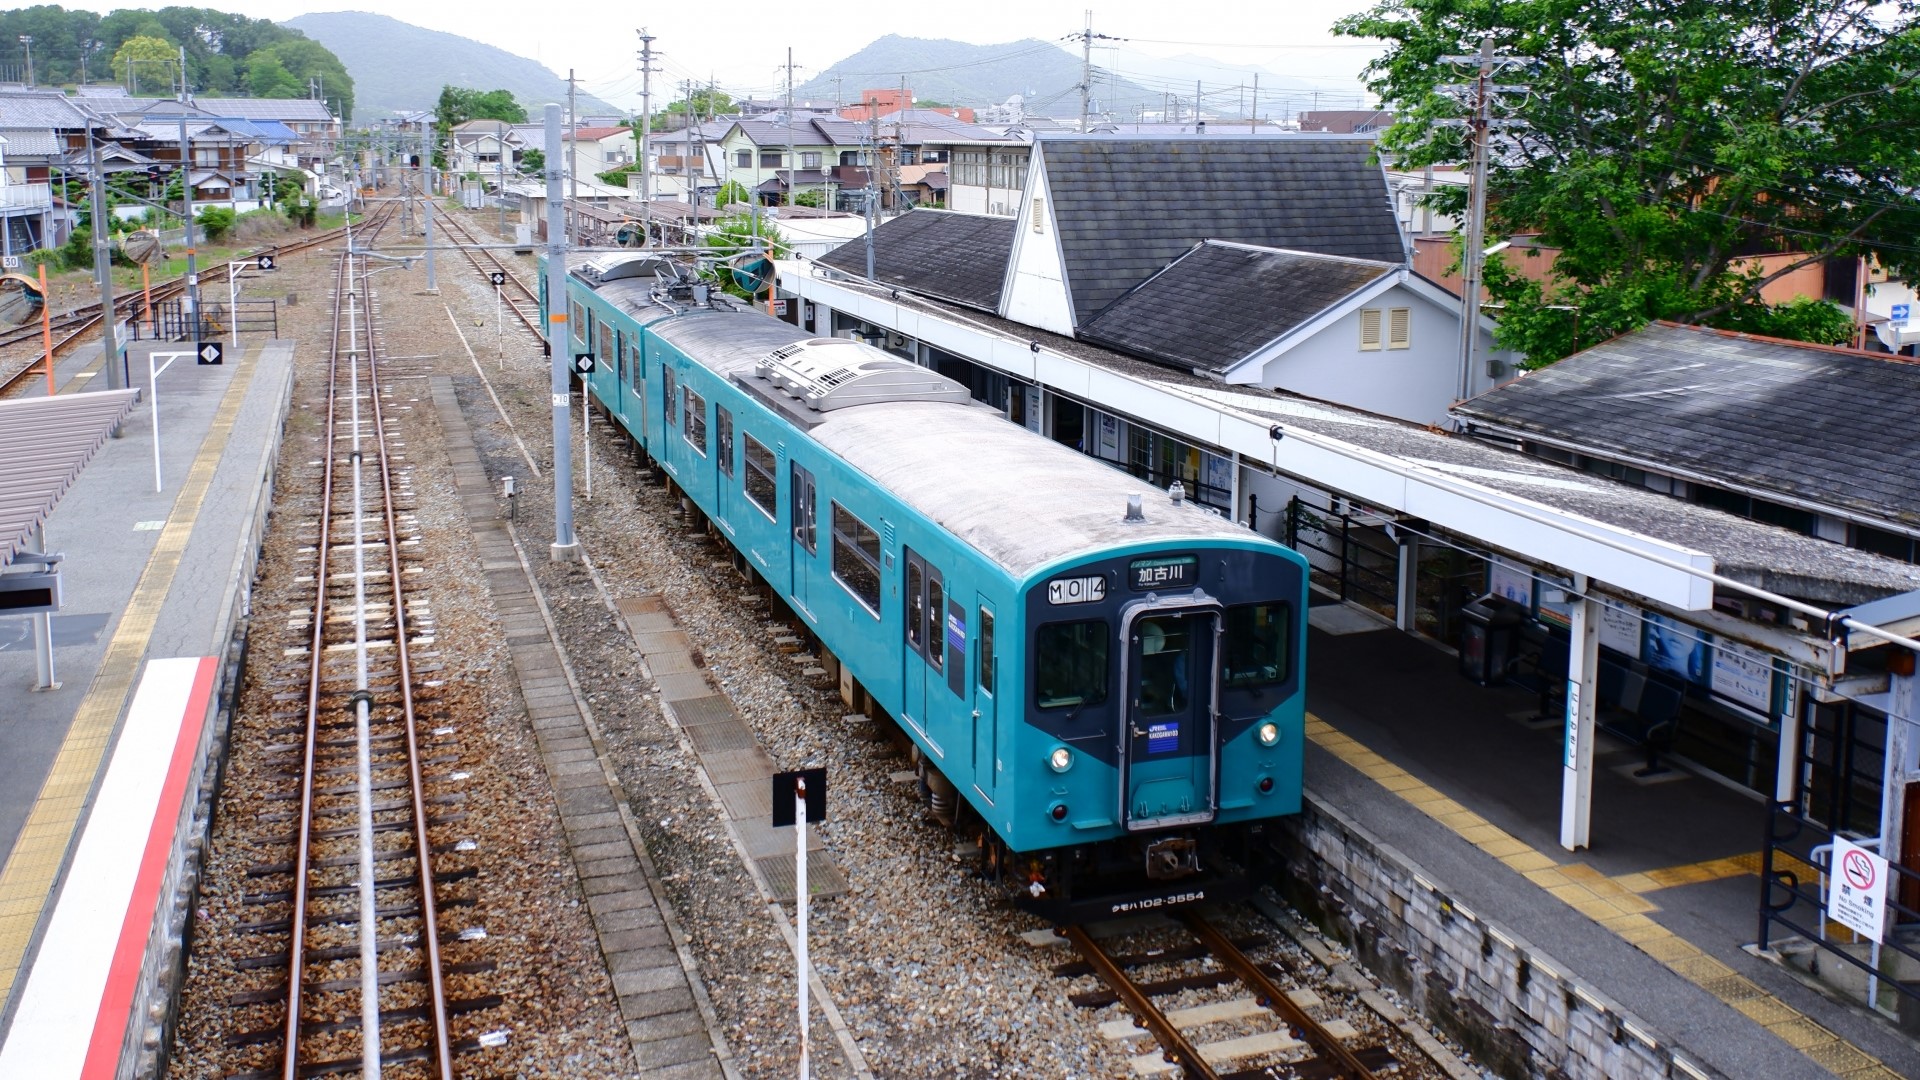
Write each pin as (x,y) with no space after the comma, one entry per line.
(1109,437)
(1676,648)
(1620,628)
(1510,582)
(1743,676)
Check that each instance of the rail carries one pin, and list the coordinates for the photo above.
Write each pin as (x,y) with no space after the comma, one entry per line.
(524,300)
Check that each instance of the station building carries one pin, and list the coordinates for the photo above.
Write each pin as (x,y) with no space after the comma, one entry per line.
(1689,540)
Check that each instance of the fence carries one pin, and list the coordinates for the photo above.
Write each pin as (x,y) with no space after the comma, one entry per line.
(1352,558)
(248,316)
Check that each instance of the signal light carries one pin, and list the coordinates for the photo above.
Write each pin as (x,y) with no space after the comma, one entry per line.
(1059,811)
(1266,785)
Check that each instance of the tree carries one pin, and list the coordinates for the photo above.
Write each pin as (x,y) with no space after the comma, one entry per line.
(267,77)
(143,59)
(731,192)
(737,238)
(706,102)
(810,198)
(309,62)
(1665,145)
(532,162)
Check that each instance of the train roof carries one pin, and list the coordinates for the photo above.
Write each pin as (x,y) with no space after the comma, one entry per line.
(1021,499)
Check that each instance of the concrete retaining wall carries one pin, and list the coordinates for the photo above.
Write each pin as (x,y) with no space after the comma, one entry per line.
(1514,1007)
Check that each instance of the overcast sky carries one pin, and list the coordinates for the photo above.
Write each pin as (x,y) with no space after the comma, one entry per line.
(744,47)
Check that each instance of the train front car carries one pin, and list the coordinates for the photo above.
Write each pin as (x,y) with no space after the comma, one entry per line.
(1165,720)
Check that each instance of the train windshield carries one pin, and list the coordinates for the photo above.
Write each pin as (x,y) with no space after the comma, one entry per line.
(1166,661)
(1259,645)
(1071,664)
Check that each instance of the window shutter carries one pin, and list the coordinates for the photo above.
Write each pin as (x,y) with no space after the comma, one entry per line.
(1369,329)
(1039,215)
(1399,328)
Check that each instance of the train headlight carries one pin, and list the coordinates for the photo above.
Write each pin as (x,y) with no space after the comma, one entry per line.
(1269,733)
(1061,759)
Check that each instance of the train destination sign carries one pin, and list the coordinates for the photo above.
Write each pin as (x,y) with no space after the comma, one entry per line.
(1077,590)
(1157,575)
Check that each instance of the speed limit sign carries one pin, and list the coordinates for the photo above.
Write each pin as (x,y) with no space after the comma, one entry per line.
(499,277)
(583,363)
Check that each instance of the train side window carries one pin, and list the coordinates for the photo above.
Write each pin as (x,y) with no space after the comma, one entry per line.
(606,345)
(856,558)
(759,480)
(579,330)
(1070,664)
(666,395)
(633,361)
(806,509)
(695,427)
(620,352)
(985,649)
(1259,645)
(916,613)
(723,438)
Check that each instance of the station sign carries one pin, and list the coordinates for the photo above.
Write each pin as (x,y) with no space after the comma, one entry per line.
(1857,889)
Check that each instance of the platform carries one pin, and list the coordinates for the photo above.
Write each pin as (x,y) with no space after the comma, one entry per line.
(149,575)
(1655,915)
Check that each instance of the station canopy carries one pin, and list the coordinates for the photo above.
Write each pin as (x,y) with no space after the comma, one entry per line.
(44,443)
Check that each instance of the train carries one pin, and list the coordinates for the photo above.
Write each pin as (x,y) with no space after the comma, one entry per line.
(1103,685)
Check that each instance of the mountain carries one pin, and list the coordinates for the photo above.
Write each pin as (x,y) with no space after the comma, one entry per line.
(957,73)
(399,67)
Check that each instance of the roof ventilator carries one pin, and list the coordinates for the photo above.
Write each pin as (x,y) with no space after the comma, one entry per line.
(1177,492)
(1134,512)
(832,373)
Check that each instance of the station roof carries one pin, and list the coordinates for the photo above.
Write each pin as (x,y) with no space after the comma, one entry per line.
(44,443)
(1817,425)
(1317,193)
(1403,468)
(958,257)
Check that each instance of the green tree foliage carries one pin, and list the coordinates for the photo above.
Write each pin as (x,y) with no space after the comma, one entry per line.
(731,192)
(216,221)
(810,198)
(736,238)
(532,162)
(616,177)
(1663,145)
(306,63)
(146,60)
(458,104)
(706,102)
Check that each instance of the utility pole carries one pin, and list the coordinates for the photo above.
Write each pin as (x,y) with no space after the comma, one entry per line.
(646,132)
(793,157)
(1254,119)
(873,148)
(26,41)
(565,547)
(1086,69)
(426,201)
(103,268)
(186,199)
(1480,99)
(573,163)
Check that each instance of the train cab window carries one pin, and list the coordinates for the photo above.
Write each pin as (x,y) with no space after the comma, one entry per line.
(695,427)
(579,330)
(806,510)
(985,649)
(759,481)
(1259,646)
(723,439)
(666,395)
(1165,660)
(856,558)
(1070,664)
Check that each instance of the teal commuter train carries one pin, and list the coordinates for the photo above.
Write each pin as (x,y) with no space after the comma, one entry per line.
(1104,682)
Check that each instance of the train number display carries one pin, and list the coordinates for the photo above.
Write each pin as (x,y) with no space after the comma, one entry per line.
(1078,590)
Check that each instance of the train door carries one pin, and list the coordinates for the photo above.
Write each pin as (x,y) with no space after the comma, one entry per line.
(1168,743)
(619,402)
(726,491)
(806,535)
(924,658)
(986,735)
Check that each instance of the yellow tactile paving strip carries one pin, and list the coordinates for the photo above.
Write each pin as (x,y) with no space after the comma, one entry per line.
(1616,904)
(31,868)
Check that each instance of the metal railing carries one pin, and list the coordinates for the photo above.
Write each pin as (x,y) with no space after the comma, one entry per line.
(1355,558)
(1794,879)
(33,195)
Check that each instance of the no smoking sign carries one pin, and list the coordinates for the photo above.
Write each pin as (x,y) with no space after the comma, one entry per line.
(1857,889)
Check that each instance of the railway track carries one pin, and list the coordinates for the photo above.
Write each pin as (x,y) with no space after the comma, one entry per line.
(522,299)
(349,880)
(1264,1030)
(80,324)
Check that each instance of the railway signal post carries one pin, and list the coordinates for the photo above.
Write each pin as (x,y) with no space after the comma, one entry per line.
(798,798)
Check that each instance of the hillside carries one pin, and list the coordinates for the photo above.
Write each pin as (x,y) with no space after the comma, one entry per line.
(397,66)
(976,75)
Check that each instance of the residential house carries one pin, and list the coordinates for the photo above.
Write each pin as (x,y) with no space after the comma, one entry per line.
(47,135)
(779,160)
(594,150)
(316,130)
(688,156)
(486,147)
(26,213)
(887,102)
(1345,121)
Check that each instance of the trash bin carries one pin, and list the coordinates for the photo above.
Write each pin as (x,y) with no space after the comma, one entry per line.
(1487,629)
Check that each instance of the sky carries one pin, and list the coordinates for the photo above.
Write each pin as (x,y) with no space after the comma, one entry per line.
(746,50)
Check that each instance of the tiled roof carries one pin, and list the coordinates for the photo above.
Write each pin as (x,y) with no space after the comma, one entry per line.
(39,110)
(302,110)
(1321,194)
(804,131)
(956,257)
(1221,302)
(593,133)
(32,142)
(1821,426)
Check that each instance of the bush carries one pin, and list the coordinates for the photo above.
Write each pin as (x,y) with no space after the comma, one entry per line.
(216,222)
(809,198)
